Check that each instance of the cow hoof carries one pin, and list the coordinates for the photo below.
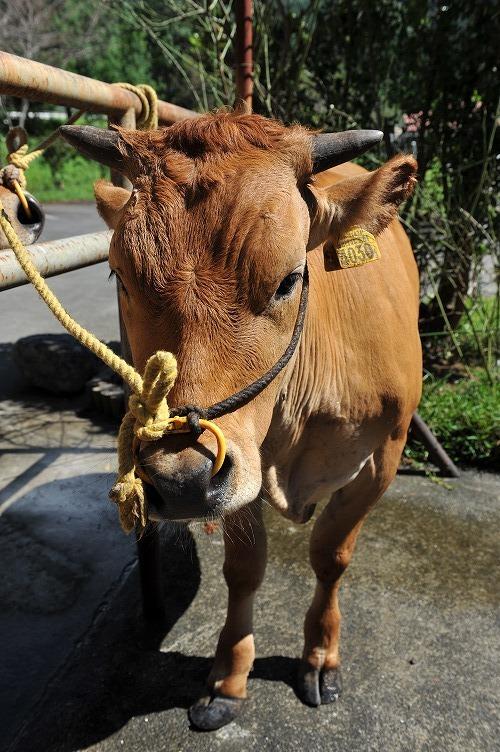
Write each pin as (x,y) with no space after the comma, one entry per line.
(210,713)
(330,685)
(318,686)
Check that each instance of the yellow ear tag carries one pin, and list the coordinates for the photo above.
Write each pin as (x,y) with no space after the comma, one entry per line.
(357,247)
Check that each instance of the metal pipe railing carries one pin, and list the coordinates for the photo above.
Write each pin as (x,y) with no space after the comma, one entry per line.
(56,257)
(20,77)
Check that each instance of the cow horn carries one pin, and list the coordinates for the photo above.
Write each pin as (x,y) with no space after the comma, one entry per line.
(330,149)
(98,144)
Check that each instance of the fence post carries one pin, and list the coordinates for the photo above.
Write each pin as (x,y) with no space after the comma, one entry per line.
(244,52)
(148,546)
(437,453)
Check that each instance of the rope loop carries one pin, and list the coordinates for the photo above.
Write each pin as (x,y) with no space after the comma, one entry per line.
(22,160)
(150,406)
(148,117)
(193,421)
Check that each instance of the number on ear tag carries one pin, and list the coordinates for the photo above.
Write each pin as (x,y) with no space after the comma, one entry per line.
(357,247)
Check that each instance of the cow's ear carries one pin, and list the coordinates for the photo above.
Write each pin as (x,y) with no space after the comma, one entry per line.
(369,201)
(111,201)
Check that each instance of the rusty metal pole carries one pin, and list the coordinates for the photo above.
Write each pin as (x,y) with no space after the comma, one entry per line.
(55,257)
(37,82)
(244,52)
(148,546)
(437,453)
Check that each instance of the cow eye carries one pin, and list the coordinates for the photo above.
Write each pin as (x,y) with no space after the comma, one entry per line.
(118,278)
(287,285)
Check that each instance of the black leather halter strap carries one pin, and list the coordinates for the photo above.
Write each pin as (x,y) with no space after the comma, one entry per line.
(244,396)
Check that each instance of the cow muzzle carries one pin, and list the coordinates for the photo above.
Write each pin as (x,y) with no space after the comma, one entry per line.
(180,482)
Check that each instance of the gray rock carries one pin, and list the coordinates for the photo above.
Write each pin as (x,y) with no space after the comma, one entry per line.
(56,363)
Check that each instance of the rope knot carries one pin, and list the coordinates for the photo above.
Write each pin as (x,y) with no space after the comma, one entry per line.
(19,161)
(148,426)
(147,420)
(20,158)
(9,174)
(128,494)
(192,413)
(150,407)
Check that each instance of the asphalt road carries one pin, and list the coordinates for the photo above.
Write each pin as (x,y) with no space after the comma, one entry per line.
(86,293)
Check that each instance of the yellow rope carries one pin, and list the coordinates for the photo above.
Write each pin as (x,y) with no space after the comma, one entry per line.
(148,117)
(22,160)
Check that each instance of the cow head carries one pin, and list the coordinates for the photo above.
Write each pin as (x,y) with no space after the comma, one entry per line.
(209,249)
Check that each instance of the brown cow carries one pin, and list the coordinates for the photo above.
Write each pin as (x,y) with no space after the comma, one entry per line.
(210,250)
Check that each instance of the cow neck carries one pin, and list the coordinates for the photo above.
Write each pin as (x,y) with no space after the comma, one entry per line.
(193,413)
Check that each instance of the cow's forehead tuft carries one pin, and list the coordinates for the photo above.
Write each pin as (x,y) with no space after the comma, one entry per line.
(221,133)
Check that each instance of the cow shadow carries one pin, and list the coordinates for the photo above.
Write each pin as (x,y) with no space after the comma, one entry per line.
(120,671)
(156,683)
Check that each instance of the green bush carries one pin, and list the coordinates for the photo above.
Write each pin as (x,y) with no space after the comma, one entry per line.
(70,180)
(478,332)
(465,417)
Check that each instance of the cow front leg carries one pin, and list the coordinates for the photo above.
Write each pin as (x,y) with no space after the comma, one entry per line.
(331,547)
(244,566)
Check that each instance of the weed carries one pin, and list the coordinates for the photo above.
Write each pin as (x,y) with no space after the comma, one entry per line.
(465,417)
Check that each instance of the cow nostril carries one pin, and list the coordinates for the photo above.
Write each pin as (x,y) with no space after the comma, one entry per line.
(225,467)
(219,481)
(186,489)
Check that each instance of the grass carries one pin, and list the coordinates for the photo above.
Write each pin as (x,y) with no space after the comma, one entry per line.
(75,180)
(465,417)
(478,332)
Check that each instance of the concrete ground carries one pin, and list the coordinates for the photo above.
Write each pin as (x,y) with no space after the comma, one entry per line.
(81,671)
(61,548)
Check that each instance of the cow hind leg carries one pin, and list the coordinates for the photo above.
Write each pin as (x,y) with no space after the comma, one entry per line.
(332,544)
(244,565)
